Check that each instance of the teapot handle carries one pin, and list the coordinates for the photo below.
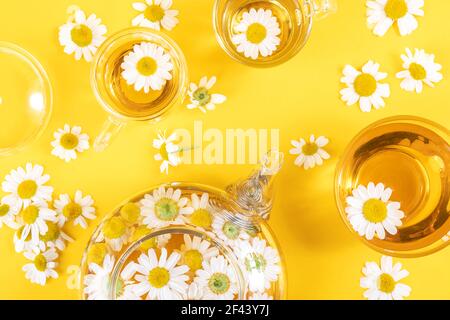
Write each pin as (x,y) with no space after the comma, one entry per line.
(110,129)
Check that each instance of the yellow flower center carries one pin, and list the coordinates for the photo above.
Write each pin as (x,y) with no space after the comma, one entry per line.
(147,66)
(396,9)
(202,96)
(130,212)
(202,218)
(40,263)
(97,253)
(417,71)
(231,231)
(365,85)
(310,149)
(27,189)
(30,214)
(114,228)
(219,283)
(72,210)
(166,209)
(52,233)
(159,277)
(374,210)
(256,33)
(4,209)
(141,232)
(82,35)
(154,13)
(69,141)
(193,259)
(386,283)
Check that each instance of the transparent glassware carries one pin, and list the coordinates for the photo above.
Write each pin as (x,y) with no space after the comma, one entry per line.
(411,156)
(25,99)
(295,18)
(231,223)
(122,103)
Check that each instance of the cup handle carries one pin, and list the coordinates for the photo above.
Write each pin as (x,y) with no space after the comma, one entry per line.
(110,129)
(322,8)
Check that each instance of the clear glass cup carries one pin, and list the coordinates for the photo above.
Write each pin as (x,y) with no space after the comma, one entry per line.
(121,101)
(295,18)
(25,99)
(240,212)
(411,156)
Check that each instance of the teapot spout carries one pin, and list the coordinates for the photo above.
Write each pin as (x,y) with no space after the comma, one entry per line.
(254,195)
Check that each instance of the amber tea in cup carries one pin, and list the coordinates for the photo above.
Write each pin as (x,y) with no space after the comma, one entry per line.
(412,157)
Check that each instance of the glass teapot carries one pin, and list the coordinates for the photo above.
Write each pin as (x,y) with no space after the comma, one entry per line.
(265,33)
(191,242)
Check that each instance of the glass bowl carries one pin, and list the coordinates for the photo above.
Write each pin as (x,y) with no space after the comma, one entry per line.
(25,99)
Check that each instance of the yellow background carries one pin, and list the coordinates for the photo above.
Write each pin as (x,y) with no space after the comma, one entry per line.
(301,97)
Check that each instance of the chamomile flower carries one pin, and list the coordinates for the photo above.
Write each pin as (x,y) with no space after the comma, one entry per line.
(96,283)
(195,292)
(260,297)
(164,208)
(77,210)
(82,36)
(152,243)
(194,251)
(419,68)
(228,232)
(218,279)
(201,96)
(365,86)
(160,279)
(115,233)
(68,142)
(34,220)
(27,185)
(55,237)
(168,151)
(257,34)
(260,262)
(202,216)
(382,14)
(310,153)
(382,283)
(8,213)
(147,67)
(155,14)
(42,266)
(370,212)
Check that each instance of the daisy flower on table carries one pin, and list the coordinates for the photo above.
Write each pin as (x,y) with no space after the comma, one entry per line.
(419,68)
(201,96)
(365,87)
(382,282)
(115,233)
(310,153)
(260,297)
(76,210)
(68,142)
(82,36)
(257,34)
(34,220)
(194,251)
(164,208)
(168,151)
(27,185)
(382,14)
(260,262)
(160,279)
(8,213)
(370,212)
(218,279)
(42,266)
(202,216)
(155,14)
(147,67)
(55,237)
(228,232)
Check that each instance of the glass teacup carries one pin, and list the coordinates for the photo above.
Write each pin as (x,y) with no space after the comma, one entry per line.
(122,101)
(265,33)
(411,156)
